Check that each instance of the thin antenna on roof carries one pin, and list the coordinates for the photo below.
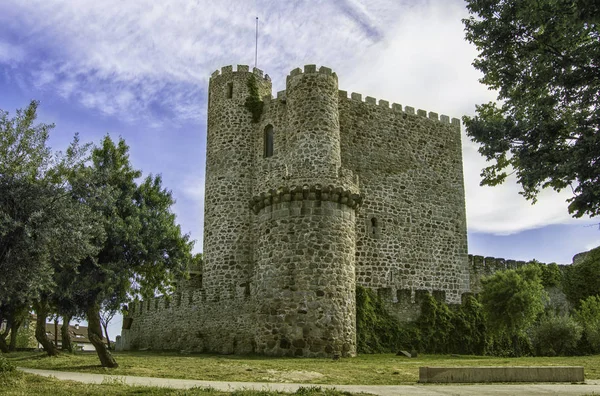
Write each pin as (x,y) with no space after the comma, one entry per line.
(256,46)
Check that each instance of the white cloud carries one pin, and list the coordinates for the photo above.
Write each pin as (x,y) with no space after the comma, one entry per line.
(10,53)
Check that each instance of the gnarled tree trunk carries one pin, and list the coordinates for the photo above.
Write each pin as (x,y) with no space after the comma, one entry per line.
(3,344)
(14,331)
(3,334)
(65,335)
(95,336)
(41,310)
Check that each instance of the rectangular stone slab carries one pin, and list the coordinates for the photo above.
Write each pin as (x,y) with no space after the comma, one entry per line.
(501,374)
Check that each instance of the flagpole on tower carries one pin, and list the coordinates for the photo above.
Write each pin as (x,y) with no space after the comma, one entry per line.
(256,46)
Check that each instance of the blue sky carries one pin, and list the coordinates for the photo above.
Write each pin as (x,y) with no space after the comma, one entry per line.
(139,69)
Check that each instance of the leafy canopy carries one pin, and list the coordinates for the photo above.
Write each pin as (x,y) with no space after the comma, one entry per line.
(512,300)
(43,229)
(588,315)
(583,280)
(543,57)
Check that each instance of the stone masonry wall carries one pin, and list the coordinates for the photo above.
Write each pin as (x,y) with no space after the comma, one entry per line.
(188,322)
(411,228)
(305,284)
(229,180)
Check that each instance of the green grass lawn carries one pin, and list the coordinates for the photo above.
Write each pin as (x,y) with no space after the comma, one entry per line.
(364,369)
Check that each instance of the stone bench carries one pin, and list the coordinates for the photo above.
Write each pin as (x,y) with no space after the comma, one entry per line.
(501,374)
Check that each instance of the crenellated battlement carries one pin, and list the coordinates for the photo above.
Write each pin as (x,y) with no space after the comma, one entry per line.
(228,70)
(311,69)
(480,267)
(396,107)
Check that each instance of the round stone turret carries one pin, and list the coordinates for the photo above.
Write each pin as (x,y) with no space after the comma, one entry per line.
(313,119)
(227,221)
(306,232)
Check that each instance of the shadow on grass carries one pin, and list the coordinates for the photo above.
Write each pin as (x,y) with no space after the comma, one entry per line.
(16,358)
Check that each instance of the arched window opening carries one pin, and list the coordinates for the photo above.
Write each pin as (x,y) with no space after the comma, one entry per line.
(268,141)
(373,227)
(229,90)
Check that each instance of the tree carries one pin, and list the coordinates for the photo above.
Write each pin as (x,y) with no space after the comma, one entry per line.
(543,57)
(144,250)
(583,280)
(512,300)
(43,229)
(588,315)
(556,335)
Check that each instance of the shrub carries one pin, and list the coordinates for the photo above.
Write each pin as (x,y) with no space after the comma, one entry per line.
(512,301)
(377,331)
(583,280)
(500,343)
(435,325)
(469,330)
(556,335)
(5,365)
(588,316)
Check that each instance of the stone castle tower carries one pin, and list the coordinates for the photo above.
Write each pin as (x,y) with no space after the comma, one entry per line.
(319,194)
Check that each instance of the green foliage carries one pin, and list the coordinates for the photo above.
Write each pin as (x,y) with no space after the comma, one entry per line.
(588,315)
(41,226)
(253,102)
(550,274)
(5,365)
(44,230)
(542,58)
(512,300)
(500,343)
(435,325)
(376,330)
(583,280)
(26,336)
(556,335)
(468,333)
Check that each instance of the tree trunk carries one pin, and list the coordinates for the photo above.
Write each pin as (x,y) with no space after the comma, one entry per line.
(516,348)
(3,334)
(95,336)
(41,310)
(14,331)
(106,335)
(3,344)
(65,335)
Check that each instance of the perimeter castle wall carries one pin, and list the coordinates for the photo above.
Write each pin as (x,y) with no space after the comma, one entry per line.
(321,193)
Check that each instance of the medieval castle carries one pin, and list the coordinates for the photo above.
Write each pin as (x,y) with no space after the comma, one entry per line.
(315,194)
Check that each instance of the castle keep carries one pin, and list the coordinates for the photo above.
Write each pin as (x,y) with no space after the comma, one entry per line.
(317,194)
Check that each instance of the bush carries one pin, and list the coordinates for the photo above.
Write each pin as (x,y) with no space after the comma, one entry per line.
(556,335)
(5,365)
(588,316)
(583,280)
(377,331)
(469,330)
(500,343)
(435,325)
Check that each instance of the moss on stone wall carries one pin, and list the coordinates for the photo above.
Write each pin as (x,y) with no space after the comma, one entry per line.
(253,102)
